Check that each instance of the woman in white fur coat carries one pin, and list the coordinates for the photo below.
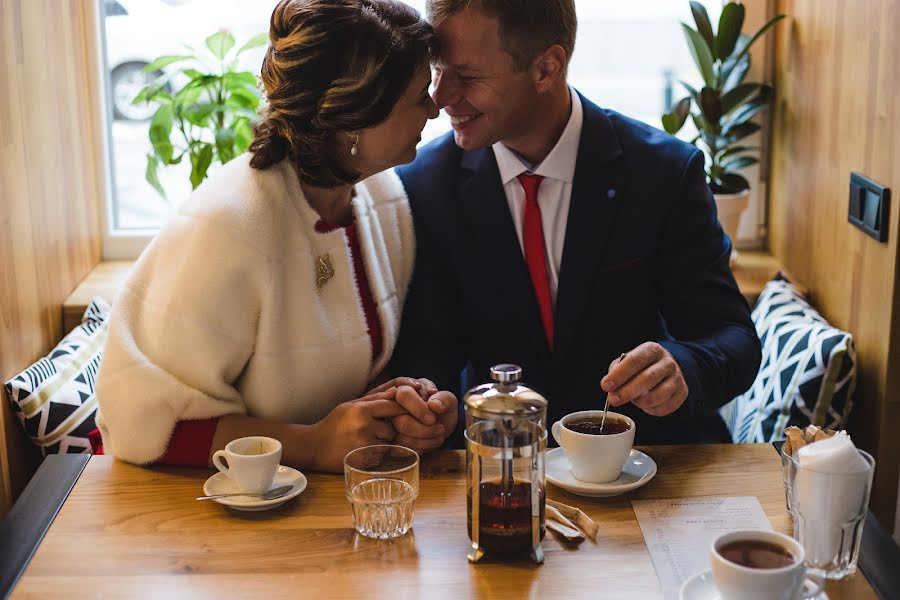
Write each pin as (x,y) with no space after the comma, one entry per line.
(271,302)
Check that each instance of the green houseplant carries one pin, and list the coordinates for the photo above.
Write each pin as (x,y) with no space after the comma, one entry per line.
(210,117)
(723,108)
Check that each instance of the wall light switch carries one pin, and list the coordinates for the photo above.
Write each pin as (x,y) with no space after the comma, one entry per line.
(869,206)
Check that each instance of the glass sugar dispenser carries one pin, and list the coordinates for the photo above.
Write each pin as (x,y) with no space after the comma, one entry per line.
(506,440)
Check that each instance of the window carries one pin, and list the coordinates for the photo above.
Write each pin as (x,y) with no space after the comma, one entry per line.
(629,57)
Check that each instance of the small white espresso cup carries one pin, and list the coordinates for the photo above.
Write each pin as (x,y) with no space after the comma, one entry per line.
(250,462)
(750,573)
(594,458)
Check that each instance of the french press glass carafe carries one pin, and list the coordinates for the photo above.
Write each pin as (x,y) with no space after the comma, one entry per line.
(506,439)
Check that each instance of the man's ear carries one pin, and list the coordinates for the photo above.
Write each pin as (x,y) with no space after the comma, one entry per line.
(549,67)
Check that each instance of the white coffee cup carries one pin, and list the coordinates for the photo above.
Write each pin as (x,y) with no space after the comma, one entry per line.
(250,462)
(741,582)
(594,458)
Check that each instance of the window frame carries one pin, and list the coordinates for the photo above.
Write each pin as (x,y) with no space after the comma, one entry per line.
(116,244)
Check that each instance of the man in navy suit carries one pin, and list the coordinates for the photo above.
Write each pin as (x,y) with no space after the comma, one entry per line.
(568,239)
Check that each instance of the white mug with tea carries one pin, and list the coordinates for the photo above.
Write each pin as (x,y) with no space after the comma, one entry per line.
(250,462)
(596,454)
(752,564)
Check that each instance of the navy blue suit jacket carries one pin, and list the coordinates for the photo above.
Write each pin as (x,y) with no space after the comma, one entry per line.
(644,259)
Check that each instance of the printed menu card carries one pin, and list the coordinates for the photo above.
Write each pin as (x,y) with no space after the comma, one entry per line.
(678,532)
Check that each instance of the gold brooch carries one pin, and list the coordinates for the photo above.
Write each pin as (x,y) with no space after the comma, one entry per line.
(324,270)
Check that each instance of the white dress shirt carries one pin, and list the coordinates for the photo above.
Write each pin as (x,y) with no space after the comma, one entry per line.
(558,170)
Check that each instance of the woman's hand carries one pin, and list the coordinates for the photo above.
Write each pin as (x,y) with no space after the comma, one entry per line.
(428,421)
(354,424)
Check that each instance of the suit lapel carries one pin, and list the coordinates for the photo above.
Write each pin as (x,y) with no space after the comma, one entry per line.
(597,194)
(487,211)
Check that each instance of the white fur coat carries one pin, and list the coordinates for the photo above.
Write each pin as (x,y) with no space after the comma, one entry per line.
(222,315)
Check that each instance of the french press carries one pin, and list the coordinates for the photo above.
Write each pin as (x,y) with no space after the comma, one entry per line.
(506,439)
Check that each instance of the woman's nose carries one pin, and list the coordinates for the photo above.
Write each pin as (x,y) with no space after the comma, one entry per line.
(433,110)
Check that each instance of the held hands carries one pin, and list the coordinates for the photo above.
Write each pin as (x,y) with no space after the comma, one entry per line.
(354,424)
(648,377)
(430,415)
(405,411)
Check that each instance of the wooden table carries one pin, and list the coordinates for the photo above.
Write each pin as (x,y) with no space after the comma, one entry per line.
(138,532)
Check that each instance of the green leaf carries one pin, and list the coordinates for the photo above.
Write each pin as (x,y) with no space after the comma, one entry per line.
(192,73)
(739,162)
(160,130)
(243,97)
(711,105)
(243,134)
(198,114)
(239,79)
(165,61)
(151,176)
(730,24)
(761,31)
(704,26)
(150,92)
(220,43)
(747,111)
(692,91)
(225,143)
(674,121)
(188,95)
(200,162)
(737,150)
(738,95)
(260,39)
(733,72)
(671,124)
(740,131)
(702,55)
(733,183)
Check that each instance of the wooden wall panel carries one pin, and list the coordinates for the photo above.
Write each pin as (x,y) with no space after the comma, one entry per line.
(50,183)
(837,80)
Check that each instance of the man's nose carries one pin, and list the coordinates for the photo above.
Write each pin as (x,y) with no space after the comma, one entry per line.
(446,92)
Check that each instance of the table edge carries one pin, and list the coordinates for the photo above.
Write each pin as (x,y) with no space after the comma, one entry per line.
(26,524)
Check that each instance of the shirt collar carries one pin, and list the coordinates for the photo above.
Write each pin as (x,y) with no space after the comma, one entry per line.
(559,163)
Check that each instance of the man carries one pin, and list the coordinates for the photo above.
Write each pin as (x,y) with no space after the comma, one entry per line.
(568,239)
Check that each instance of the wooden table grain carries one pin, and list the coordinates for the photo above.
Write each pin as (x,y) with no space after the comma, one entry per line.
(128,531)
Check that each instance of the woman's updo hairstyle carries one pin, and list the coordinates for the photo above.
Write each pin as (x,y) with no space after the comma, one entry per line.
(333,66)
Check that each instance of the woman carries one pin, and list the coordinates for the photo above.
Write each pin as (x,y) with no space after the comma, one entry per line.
(273,298)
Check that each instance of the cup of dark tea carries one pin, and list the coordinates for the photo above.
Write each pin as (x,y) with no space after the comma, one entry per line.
(596,449)
(752,563)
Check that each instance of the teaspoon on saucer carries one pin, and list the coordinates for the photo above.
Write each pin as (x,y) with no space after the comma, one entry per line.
(272,494)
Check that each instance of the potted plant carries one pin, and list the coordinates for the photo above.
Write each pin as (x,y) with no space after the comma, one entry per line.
(723,108)
(210,117)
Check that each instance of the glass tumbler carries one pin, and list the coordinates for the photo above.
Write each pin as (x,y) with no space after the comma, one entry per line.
(829,512)
(788,466)
(382,483)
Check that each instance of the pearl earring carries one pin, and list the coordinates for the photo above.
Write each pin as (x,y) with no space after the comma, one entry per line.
(354,150)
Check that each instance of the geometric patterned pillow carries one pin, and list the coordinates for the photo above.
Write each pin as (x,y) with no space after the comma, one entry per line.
(54,398)
(807,375)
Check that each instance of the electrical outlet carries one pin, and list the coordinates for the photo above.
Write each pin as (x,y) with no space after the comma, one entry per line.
(869,206)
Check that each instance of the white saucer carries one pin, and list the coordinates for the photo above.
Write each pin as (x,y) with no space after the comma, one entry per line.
(638,470)
(702,587)
(222,484)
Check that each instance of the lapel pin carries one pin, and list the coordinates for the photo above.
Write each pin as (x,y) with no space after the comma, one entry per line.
(324,270)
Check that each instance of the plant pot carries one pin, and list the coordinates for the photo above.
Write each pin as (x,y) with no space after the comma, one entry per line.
(729,208)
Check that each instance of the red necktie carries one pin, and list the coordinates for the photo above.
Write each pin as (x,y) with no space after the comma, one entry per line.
(536,251)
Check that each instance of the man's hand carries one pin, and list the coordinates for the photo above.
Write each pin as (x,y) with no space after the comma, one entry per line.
(648,377)
(428,422)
